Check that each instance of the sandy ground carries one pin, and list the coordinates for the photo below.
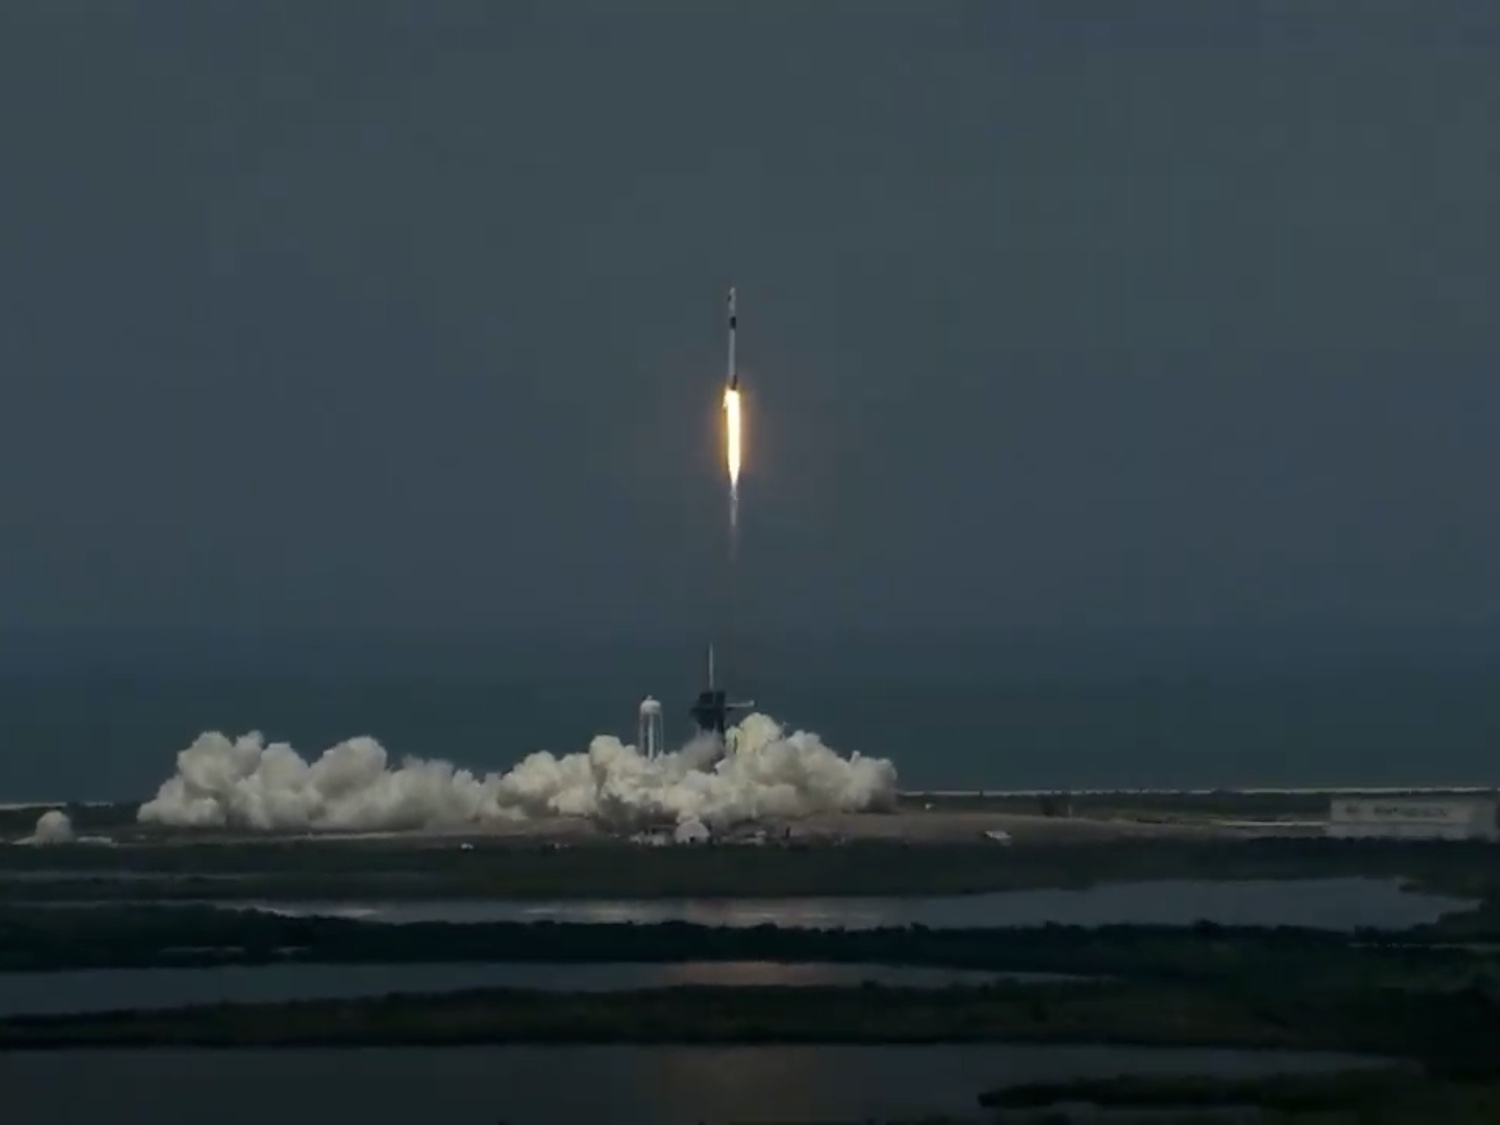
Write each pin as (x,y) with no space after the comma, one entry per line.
(918,826)
(912,826)
(911,823)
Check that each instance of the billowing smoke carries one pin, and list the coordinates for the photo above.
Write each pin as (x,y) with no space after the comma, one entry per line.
(245,783)
(52,827)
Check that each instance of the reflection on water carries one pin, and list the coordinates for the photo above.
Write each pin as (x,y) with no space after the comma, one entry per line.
(550,1085)
(1332,904)
(95,990)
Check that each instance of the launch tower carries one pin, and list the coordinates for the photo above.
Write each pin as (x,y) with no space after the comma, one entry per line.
(649,742)
(712,709)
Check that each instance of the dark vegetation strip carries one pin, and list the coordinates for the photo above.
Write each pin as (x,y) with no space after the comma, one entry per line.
(42,938)
(1369,1090)
(1293,1093)
(415,870)
(1451,1033)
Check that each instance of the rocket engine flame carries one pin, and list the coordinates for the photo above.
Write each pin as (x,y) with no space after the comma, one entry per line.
(732,444)
(732,436)
(732,462)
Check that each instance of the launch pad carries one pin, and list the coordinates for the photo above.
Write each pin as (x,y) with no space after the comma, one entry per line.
(712,709)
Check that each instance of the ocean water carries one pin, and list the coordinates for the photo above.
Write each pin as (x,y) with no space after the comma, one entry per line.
(1324,904)
(105,722)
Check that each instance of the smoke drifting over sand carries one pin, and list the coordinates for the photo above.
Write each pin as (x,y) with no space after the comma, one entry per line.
(245,783)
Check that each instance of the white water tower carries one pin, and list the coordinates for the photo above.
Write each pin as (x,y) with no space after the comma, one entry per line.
(649,739)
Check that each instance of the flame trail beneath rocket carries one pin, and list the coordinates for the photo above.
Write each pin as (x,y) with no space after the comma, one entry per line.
(732,447)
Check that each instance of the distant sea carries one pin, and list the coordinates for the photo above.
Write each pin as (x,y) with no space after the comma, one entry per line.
(103,717)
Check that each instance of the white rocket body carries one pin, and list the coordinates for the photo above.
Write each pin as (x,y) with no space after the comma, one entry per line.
(733,374)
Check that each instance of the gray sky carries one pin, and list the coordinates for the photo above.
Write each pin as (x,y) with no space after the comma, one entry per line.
(347,315)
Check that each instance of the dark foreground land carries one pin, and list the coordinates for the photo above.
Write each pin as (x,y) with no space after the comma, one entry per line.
(1395,1095)
(1455,1035)
(388,870)
(1409,995)
(1450,1042)
(1428,1003)
(48,939)
(1428,997)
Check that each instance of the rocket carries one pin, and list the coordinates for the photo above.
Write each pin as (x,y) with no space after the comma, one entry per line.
(733,373)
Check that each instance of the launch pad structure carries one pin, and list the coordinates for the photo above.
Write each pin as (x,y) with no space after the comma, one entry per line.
(712,713)
(712,709)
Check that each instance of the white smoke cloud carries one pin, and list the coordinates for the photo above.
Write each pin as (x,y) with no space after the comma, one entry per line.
(52,827)
(245,783)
